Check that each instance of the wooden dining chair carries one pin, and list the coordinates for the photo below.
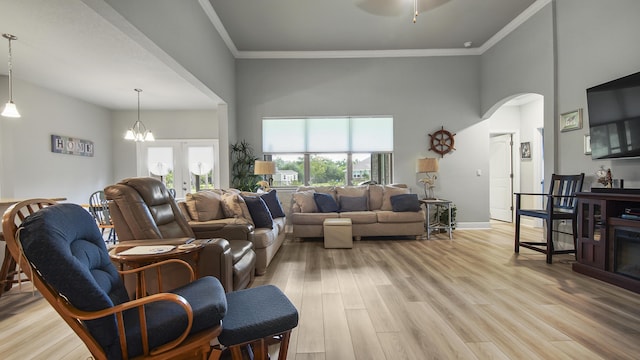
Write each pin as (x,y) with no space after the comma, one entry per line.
(99,208)
(559,204)
(10,273)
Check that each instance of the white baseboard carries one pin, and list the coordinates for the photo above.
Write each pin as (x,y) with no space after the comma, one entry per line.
(473,225)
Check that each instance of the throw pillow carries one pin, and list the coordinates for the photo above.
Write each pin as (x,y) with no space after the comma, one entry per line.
(387,193)
(273,203)
(305,201)
(205,205)
(235,207)
(259,212)
(353,203)
(353,191)
(325,203)
(405,202)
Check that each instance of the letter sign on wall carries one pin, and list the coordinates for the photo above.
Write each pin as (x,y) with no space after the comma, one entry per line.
(72,146)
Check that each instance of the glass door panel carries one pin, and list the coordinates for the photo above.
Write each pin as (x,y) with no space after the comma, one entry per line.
(160,165)
(200,160)
(186,166)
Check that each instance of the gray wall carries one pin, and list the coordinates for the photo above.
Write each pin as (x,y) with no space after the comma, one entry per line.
(597,42)
(523,62)
(29,169)
(422,94)
(177,124)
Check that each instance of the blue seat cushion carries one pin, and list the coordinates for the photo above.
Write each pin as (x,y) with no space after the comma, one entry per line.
(257,313)
(166,321)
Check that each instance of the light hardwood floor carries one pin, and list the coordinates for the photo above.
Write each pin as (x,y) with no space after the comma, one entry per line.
(469,298)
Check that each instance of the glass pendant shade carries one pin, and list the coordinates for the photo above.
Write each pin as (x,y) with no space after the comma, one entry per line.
(10,110)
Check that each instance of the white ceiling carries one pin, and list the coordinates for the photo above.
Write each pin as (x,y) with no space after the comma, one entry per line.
(66,46)
(374,25)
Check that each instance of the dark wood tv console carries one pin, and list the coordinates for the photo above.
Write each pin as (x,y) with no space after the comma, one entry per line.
(608,246)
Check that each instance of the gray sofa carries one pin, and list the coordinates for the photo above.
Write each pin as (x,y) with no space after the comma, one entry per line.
(224,213)
(377,218)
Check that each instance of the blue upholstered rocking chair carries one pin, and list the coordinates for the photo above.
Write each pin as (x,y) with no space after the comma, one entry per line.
(62,252)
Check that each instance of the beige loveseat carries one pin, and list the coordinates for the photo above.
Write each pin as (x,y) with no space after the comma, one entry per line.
(376,218)
(224,213)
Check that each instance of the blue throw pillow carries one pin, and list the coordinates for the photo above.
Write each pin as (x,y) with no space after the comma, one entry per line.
(353,203)
(325,202)
(405,202)
(273,203)
(259,212)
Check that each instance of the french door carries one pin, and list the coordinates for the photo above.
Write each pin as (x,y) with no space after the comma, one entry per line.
(183,165)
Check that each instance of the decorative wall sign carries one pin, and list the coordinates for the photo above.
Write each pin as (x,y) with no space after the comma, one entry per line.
(67,145)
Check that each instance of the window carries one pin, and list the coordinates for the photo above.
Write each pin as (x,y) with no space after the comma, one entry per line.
(329,150)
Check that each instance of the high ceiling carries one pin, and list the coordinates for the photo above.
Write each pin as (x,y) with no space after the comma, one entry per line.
(344,25)
(66,46)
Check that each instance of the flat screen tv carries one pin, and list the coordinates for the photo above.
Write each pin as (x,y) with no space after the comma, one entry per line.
(614,118)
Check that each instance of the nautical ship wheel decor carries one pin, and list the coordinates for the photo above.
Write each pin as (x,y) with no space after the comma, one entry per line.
(442,142)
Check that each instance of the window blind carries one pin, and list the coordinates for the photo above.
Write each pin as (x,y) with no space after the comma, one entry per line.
(327,134)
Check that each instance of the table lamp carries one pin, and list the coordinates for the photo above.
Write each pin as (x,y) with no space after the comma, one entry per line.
(265,168)
(428,166)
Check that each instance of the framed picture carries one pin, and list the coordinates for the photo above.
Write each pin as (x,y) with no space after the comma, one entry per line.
(587,144)
(525,151)
(571,120)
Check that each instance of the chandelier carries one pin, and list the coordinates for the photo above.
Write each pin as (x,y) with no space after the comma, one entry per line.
(139,132)
(10,109)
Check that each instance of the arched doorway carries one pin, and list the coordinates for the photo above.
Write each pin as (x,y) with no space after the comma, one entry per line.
(516,152)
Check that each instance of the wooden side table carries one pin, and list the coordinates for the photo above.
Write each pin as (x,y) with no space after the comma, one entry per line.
(438,203)
(138,260)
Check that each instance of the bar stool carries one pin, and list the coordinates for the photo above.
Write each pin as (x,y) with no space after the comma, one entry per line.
(258,317)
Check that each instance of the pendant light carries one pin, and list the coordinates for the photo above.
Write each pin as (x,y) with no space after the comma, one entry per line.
(10,109)
(139,132)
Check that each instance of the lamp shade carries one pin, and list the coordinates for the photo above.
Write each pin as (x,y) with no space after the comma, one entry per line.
(10,110)
(264,167)
(427,165)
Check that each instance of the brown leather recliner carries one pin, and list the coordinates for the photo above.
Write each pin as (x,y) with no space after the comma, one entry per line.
(143,211)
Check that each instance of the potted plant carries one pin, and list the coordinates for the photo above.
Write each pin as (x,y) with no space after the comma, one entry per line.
(444,217)
(243,160)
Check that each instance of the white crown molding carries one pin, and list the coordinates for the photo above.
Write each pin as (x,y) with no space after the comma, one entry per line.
(351,54)
(215,20)
(514,24)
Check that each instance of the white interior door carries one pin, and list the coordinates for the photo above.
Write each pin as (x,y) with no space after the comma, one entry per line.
(501,177)
(184,165)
